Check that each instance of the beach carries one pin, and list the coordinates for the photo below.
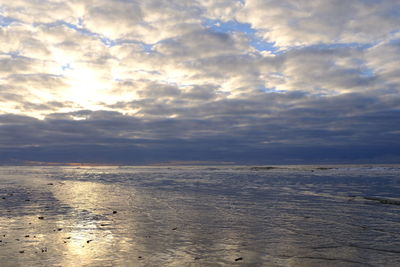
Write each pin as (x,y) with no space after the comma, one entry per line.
(200,216)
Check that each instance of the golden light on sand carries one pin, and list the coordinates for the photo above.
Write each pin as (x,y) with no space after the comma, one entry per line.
(93,231)
(86,241)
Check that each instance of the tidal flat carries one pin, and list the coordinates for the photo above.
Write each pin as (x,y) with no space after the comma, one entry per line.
(335,215)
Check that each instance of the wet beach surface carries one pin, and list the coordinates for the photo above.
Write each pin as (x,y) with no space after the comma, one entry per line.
(200,216)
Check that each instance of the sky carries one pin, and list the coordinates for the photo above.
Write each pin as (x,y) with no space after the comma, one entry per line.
(250,81)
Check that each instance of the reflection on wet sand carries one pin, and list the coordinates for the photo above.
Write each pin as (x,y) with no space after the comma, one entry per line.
(146,230)
(86,239)
(57,217)
(74,224)
(68,224)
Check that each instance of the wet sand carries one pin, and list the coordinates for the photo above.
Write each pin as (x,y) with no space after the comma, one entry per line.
(53,216)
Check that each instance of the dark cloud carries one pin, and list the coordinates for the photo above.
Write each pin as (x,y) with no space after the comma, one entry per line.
(248,131)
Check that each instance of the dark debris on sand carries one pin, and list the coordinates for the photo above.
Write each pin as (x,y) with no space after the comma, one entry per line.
(384,200)
(262,168)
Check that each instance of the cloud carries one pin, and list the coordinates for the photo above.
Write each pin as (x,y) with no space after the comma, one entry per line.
(36,11)
(114,19)
(204,43)
(327,70)
(224,10)
(239,80)
(289,23)
(383,59)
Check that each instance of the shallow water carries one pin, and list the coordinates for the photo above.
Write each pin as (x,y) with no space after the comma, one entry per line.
(200,216)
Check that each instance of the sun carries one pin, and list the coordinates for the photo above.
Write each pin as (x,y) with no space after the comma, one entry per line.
(87,87)
(86,83)
(90,87)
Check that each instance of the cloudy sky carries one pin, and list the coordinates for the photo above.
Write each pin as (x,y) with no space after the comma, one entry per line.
(246,81)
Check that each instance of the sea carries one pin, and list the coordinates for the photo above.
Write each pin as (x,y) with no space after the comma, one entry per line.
(303,215)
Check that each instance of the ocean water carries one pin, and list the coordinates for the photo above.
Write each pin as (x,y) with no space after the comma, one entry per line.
(200,216)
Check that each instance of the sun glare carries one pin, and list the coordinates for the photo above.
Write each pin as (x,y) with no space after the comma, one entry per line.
(86,88)
(89,87)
